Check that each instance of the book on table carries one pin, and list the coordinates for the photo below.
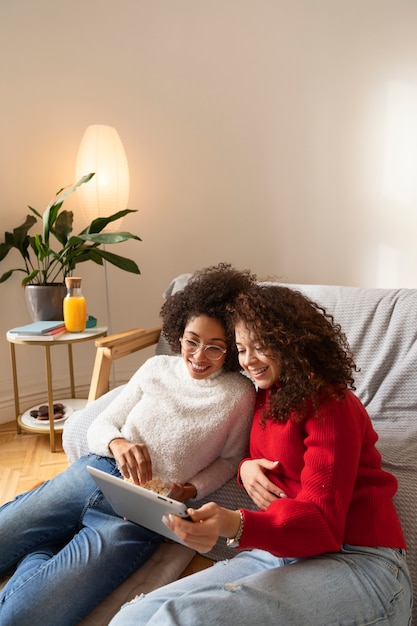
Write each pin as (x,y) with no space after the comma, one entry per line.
(37,328)
(45,331)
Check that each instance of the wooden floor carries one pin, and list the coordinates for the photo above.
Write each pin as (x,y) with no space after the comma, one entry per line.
(26,460)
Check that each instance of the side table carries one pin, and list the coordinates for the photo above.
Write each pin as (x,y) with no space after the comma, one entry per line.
(67,339)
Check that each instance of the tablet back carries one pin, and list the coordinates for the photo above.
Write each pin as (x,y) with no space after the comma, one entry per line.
(137,504)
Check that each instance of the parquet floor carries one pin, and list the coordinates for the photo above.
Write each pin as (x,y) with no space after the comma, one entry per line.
(26,460)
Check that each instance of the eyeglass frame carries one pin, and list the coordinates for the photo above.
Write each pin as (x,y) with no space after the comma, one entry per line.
(202,346)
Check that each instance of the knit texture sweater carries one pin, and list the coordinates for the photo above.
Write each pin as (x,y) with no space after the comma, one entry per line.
(331,472)
(195,431)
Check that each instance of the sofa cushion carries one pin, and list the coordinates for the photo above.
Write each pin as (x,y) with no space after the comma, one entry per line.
(74,435)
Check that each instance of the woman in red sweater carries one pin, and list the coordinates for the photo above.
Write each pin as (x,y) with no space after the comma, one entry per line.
(326,546)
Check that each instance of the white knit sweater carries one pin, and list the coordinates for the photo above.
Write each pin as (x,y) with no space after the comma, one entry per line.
(195,430)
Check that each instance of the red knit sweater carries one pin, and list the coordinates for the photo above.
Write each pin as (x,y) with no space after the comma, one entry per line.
(331,472)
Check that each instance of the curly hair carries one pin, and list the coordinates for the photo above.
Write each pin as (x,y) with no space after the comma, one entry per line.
(208,292)
(312,350)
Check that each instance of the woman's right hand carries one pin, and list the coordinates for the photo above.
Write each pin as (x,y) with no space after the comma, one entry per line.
(208,523)
(259,487)
(133,460)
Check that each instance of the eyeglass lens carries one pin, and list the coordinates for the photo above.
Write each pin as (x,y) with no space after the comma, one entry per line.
(212,352)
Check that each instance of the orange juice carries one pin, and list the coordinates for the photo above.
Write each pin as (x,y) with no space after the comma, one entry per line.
(74,306)
(75,313)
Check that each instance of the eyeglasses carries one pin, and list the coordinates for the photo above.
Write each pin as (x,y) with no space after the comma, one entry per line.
(214,353)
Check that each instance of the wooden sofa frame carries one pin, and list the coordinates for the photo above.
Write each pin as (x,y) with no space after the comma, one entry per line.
(115,347)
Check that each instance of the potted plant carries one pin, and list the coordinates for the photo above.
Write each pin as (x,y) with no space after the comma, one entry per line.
(45,264)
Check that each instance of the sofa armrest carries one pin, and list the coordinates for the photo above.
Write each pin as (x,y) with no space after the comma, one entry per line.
(115,347)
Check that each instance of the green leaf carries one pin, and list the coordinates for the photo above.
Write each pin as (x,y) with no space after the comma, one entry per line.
(100,223)
(42,250)
(35,211)
(7,275)
(4,250)
(70,190)
(18,239)
(51,211)
(119,261)
(109,238)
(21,232)
(63,226)
(30,277)
(89,254)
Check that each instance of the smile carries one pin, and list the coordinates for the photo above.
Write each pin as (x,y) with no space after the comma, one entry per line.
(258,372)
(198,368)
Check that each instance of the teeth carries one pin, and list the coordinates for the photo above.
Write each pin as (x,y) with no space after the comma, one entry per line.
(260,371)
(200,368)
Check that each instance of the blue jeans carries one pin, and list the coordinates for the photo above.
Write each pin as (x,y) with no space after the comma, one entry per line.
(69,547)
(355,586)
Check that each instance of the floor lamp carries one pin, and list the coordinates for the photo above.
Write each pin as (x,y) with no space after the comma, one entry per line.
(101,151)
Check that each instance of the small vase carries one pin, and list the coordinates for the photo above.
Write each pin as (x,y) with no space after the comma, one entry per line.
(44,302)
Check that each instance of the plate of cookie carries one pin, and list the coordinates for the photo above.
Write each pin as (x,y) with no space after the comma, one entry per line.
(40,414)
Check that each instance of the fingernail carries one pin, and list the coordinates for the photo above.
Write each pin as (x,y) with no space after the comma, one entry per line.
(167,520)
(283,495)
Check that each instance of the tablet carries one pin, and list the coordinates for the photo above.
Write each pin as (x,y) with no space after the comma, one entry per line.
(137,504)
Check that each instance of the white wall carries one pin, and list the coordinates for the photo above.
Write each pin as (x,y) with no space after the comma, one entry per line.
(278,135)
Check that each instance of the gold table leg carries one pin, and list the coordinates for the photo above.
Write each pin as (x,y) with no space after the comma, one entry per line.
(15,387)
(71,370)
(50,398)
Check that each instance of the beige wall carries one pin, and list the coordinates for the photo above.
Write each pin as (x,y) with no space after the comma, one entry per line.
(279,135)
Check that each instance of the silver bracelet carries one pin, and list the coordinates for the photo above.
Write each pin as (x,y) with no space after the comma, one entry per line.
(235,541)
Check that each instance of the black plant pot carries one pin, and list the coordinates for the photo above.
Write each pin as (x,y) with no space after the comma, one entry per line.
(44,302)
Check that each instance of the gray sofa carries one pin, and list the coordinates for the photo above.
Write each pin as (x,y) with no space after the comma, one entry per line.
(381,326)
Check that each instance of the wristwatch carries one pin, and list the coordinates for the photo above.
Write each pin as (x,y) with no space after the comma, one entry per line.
(233,542)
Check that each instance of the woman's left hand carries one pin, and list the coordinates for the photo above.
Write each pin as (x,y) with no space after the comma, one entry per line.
(262,490)
(208,523)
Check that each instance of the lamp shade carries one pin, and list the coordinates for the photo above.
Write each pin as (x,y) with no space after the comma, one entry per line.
(101,151)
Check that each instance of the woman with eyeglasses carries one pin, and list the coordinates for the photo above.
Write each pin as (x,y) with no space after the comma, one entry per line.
(325,546)
(69,548)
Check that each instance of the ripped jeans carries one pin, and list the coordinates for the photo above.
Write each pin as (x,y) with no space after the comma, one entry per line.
(355,586)
(69,547)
